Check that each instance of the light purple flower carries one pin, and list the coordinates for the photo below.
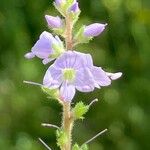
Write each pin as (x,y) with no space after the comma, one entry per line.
(47,48)
(53,22)
(94,29)
(75,7)
(74,70)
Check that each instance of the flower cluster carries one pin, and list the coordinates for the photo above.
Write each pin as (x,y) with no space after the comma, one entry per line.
(70,70)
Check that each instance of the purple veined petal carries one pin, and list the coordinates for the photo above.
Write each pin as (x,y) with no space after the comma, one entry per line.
(75,7)
(43,47)
(84,81)
(53,22)
(67,91)
(29,55)
(52,78)
(94,29)
(100,76)
(47,60)
(88,61)
(114,76)
(70,59)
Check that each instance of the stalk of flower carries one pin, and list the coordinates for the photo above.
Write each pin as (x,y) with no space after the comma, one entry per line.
(71,71)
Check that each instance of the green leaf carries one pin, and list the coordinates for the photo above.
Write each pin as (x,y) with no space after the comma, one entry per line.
(79,110)
(61,138)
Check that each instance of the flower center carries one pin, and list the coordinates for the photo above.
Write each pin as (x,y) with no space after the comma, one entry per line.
(69,74)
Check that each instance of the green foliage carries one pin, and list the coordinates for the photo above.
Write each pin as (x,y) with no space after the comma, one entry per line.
(79,110)
(61,138)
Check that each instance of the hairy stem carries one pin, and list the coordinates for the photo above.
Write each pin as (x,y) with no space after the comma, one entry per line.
(67,125)
(69,28)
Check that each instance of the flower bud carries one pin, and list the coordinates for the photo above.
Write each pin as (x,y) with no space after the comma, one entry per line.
(53,22)
(58,2)
(94,29)
(75,8)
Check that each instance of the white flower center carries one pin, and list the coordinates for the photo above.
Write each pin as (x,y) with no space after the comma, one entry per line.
(69,74)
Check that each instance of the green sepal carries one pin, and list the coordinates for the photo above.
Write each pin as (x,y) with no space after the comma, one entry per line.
(79,110)
(84,147)
(61,138)
(75,147)
(74,16)
(63,8)
(60,9)
(70,2)
(53,92)
(80,38)
(58,31)
(58,50)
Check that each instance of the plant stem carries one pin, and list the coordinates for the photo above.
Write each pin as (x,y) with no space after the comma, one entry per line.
(67,122)
(67,125)
(68,38)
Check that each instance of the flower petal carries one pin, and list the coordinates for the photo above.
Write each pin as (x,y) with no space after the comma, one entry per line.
(43,47)
(100,76)
(84,80)
(67,91)
(87,59)
(47,60)
(29,55)
(52,78)
(70,59)
(114,76)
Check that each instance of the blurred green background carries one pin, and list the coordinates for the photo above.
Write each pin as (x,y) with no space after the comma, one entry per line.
(123,107)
